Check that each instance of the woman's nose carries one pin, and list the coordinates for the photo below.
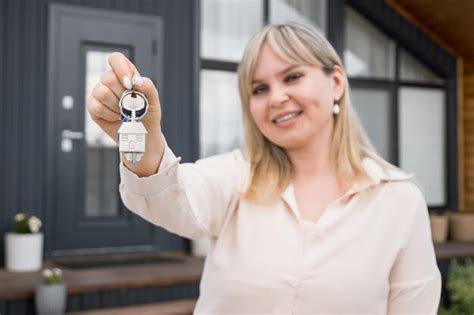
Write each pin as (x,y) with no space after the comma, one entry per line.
(278,97)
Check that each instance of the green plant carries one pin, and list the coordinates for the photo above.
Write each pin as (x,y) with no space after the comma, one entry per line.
(26,224)
(461,288)
(444,311)
(52,276)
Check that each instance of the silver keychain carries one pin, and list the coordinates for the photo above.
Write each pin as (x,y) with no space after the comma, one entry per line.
(132,133)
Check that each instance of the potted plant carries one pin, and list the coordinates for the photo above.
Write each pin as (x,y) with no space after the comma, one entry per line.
(50,294)
(439,227)
(461,288)
(24,246)
(462,227)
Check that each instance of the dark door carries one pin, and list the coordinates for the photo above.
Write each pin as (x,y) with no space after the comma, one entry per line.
(86,214)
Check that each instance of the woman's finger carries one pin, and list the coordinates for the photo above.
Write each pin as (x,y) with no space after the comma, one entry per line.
(105,96)
(123,68)
(149,89)
(110,80)
(99,111)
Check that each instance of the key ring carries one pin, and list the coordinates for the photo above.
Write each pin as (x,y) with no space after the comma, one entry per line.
(127,112)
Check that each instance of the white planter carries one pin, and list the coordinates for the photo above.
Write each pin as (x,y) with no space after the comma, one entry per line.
(23,252)
(50,299)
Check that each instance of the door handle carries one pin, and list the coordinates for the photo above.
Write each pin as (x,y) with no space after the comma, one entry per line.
(66,139)
(73,135)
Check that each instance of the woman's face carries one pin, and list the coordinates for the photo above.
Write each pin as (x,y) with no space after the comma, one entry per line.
(292,104)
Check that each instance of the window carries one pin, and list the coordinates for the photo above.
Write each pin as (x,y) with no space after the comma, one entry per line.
(311,12)
(368,52)
(226,28)
(101,157)
(422,126)
(411,70)
(373,109)
(221,119)
(401,104)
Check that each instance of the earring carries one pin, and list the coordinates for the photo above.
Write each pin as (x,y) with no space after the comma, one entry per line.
(336,109)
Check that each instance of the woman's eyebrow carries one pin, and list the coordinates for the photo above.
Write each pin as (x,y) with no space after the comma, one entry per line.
(281,73)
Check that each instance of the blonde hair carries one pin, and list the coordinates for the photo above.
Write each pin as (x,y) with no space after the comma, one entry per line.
(270,166)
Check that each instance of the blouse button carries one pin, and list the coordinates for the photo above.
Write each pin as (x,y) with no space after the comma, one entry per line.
(294,283)
(319,233)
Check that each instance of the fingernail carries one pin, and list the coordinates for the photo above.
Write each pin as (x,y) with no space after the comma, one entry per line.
(127,83)
(137,80)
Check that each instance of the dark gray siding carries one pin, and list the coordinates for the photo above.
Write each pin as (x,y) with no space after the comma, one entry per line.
(2,121)
(23,76)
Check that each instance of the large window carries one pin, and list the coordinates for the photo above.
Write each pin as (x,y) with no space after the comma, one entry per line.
(226,28)
(401,103)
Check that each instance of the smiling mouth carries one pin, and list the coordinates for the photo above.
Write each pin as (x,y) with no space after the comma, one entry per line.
(286,117)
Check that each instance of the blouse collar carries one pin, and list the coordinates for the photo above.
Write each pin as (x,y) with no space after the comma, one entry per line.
(376,173)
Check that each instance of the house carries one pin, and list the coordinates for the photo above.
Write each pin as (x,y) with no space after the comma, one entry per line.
(410,64)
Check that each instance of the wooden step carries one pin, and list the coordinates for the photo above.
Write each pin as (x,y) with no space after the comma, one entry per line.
(172,307)
(21,286)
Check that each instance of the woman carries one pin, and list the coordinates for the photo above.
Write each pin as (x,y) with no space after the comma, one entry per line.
(310,219)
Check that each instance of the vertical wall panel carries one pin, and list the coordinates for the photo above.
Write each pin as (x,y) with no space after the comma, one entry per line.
(468,141)
(3,215)
(91,300)
(23,73)
(11,110)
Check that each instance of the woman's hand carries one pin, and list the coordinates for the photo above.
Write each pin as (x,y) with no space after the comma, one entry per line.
(103,107)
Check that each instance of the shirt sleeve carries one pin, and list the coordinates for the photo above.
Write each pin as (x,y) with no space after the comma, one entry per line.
(415,280)
(189,199)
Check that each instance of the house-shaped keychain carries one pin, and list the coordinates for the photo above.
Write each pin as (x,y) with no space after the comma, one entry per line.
(132,139)
(132,133)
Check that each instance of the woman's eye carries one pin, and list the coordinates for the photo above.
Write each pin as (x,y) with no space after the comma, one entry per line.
(293,77)
(259,90)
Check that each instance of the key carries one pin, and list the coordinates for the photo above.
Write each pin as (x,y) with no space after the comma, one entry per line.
(132,132)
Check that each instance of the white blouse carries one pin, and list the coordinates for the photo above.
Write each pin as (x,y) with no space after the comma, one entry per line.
(369,253)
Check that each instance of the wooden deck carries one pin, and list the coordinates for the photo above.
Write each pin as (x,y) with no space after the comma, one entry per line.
(21,286)
(174,307)
(452,250)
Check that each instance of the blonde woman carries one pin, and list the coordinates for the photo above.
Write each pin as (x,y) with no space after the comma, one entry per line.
(309,219)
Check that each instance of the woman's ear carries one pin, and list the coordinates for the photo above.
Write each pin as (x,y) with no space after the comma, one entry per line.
(338,82)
